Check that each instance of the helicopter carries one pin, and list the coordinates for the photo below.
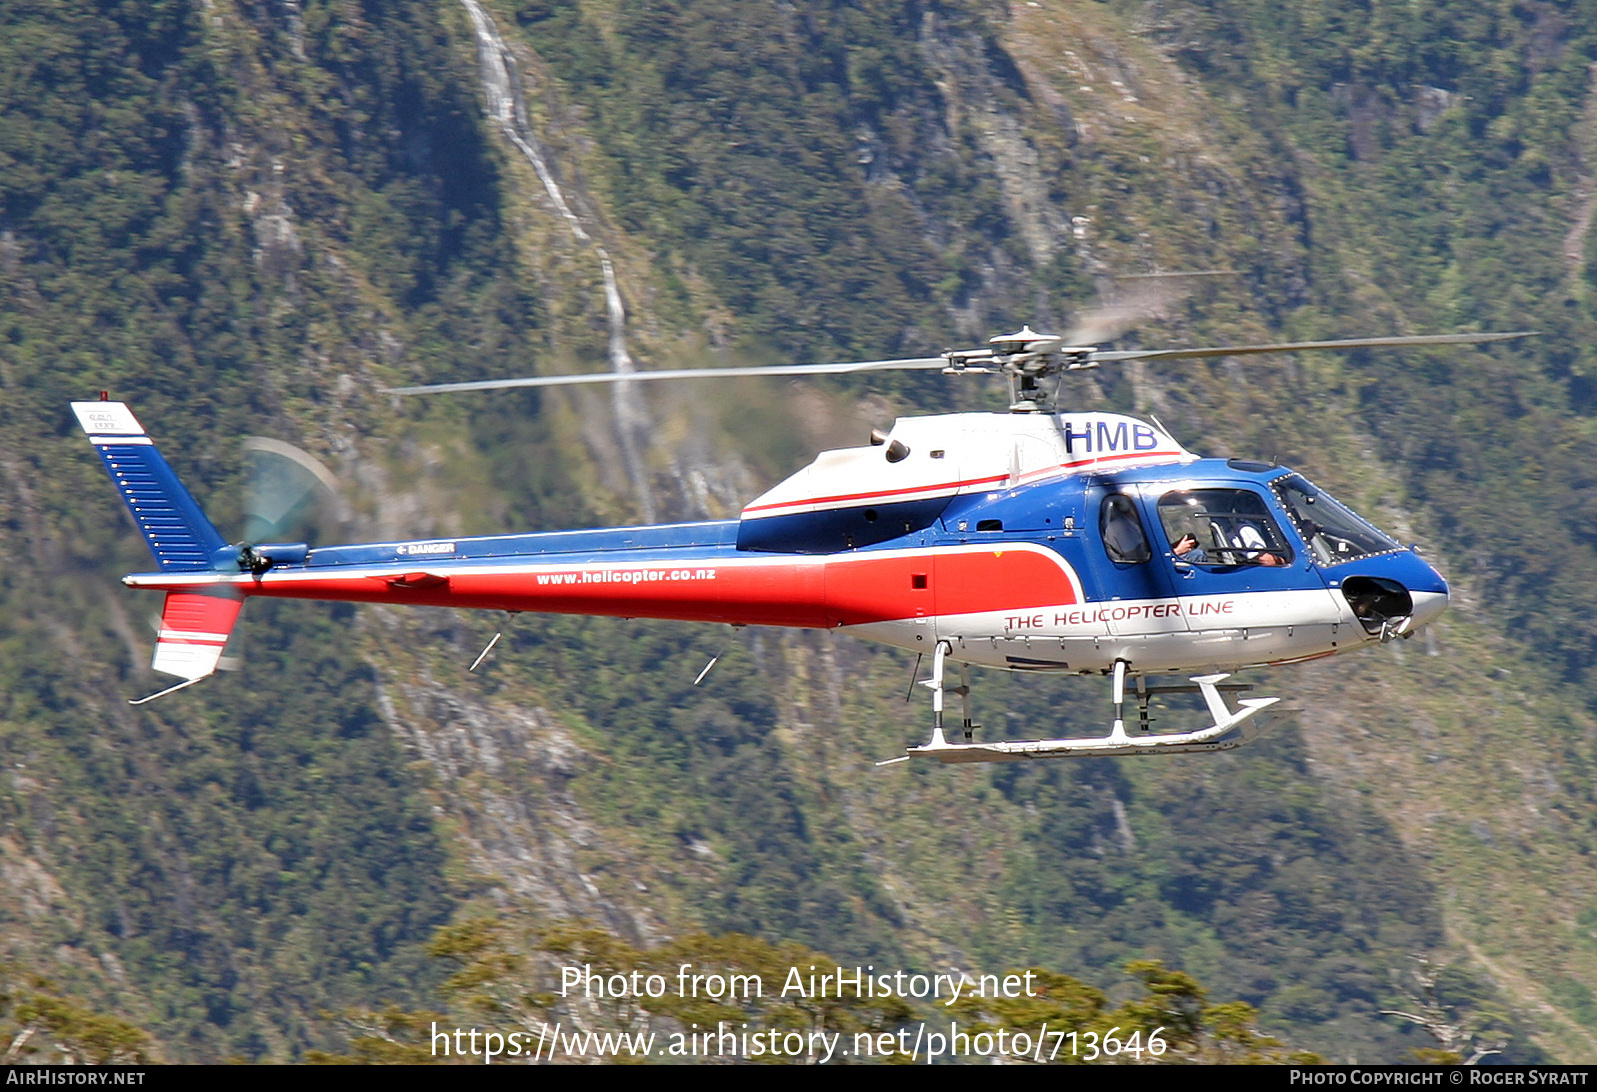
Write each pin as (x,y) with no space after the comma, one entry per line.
(1038,540)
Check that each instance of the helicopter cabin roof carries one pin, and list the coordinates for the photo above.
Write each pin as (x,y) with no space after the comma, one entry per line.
(924,458)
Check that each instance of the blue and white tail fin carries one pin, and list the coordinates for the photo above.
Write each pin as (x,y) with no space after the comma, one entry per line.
(179,535)
(194,624)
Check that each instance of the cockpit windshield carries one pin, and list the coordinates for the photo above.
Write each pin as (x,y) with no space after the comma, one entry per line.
(1333,532)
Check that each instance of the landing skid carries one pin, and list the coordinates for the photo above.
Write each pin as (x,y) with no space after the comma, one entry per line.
(1229,730)
(1215,738)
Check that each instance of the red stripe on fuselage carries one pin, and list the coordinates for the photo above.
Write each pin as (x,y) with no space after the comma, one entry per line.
(971,581)
(811,592)
(778,593)
(1121,458)
(904,491)
(807,504)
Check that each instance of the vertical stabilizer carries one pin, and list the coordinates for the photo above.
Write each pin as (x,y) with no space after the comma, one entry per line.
(179,535)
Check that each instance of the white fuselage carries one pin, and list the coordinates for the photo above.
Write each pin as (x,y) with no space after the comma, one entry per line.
(1199,633)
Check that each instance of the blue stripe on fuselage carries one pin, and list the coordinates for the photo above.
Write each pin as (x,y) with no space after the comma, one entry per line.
(679,541)
(641,543)
(833,530)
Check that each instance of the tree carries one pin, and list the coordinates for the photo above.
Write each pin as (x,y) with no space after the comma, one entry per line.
(1171,1021)
(514,973)
(1461,1039)
(44,1027)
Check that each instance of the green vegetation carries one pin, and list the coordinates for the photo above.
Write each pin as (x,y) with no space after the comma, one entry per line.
(1171,1021)
(786,157)
(41,1026)
(249,220)
(512,974)
(201,218)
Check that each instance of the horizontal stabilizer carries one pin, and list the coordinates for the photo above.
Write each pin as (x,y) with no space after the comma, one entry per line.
(194,630)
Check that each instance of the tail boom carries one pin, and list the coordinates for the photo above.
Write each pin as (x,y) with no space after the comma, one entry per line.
(709,583)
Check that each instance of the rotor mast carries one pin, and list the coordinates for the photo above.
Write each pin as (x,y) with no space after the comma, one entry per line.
(1026,358)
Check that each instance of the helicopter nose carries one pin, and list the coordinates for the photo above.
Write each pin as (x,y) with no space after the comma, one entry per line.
(1395,590)
(1428,606)
(1430,594)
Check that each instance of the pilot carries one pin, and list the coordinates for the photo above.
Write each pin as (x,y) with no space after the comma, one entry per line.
(1249,551)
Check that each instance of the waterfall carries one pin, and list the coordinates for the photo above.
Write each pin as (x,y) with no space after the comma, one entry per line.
(502,92)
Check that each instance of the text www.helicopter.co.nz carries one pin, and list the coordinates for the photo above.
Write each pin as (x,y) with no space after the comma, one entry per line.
(625,576)
(915,1044)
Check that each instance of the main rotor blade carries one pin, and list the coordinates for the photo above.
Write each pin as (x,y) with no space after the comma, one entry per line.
(1296,346)
(1145,300)
(910,364)
(929,363)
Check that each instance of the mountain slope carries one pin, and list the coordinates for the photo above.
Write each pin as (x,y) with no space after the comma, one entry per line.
(267,216)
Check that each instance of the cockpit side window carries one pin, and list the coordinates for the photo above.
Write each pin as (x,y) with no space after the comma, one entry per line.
(1333,532)
(1124,540)
(1222,527)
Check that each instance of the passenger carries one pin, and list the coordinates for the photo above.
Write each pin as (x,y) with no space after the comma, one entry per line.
(1254,547)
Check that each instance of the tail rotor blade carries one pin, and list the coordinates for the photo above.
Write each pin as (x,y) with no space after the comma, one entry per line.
(283,488)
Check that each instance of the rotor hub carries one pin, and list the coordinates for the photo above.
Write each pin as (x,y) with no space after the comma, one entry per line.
(1026,358)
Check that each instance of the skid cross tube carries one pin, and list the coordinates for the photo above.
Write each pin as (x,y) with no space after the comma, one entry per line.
(963,690)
